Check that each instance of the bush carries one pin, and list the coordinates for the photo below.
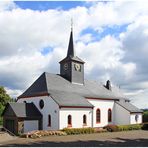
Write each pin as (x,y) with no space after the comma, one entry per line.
(73,131)
(1,121)
(145,126)
(145,116)
(115,128)
(129,127)
(111,128)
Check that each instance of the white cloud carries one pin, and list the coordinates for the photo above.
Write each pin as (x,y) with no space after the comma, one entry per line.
(13,93)
(7,5)
(129,69)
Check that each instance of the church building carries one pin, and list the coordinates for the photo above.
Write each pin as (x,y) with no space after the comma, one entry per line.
(67,100)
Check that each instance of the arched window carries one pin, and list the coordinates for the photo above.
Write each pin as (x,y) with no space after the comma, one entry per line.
(49,120)
(69,120)
(98,115)
(109,115)
(84,120)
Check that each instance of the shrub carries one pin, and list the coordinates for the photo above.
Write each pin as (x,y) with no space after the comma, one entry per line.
(145,116)
(129,127)
(145,126)
(1,121)
(111,128)
(73,131)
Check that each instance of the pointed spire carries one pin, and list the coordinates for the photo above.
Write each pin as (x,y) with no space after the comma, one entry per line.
(71,52)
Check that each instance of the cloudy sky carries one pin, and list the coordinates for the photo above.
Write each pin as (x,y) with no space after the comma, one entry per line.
(111,37)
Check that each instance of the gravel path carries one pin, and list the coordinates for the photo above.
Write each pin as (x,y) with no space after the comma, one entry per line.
(129,138)
(6,137)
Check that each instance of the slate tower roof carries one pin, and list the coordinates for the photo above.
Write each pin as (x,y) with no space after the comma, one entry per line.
(71,51)
(71,54)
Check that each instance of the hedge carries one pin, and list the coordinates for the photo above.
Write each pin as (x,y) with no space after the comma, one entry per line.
(73,131)
(115,128)
(129,127)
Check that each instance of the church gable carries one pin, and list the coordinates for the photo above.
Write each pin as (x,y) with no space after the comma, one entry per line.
(38,88)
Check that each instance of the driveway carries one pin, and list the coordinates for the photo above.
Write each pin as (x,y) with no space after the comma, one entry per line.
(137,138)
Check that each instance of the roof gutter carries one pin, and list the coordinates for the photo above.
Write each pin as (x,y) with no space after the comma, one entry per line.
(37,95)
(101,98)
(76,107)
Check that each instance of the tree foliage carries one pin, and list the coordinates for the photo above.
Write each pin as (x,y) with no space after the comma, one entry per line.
(4,99)
(145,116)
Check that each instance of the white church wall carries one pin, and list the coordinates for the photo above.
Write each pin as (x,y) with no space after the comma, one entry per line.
(77,117)
(133,116)
(103,105)
(50,107)
(30,125)
(122,116)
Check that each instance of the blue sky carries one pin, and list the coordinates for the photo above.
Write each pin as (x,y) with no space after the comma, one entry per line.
(109,36)
(45,5)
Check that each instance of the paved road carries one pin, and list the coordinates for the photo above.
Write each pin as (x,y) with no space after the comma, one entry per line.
(116,139)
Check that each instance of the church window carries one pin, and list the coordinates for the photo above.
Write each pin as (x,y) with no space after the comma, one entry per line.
(69,120)
(109,115)
(84,120)
(49,120)
(41,104)
(98,115)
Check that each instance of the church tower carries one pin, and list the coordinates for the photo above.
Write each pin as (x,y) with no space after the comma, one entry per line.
(72,67)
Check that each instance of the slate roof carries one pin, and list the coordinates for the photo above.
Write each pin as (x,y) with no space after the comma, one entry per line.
(71,51)
(128,106)
(75,58)
(25,110)
(69,99)
(66,93)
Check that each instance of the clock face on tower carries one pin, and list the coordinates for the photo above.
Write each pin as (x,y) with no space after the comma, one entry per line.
(65,66)
(77,67)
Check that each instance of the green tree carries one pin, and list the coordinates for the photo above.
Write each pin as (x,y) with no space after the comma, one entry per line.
(145,116)
(4,99)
